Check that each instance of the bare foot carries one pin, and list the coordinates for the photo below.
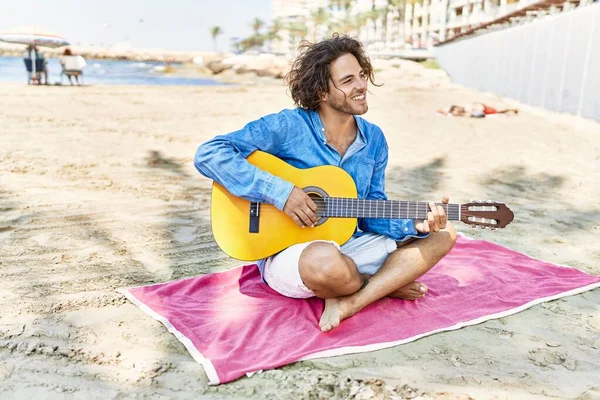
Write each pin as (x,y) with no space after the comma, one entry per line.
(412,291)
(336,310)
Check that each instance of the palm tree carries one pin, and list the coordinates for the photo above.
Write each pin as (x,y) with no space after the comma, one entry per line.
(257,25)
(214,32)
(256,40)
(273,33)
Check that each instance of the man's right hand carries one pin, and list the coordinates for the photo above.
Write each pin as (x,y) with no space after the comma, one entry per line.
(301,208)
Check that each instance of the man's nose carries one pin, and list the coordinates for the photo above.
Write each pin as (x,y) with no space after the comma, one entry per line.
(362,84)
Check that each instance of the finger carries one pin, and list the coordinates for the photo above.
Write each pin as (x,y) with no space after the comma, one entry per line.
(443,217)
(436,217)
(426,226)
(304,218)
(311,204)
(298,221)
(311,215)
(435,209)
(432,207)
(419,227)
(431,222)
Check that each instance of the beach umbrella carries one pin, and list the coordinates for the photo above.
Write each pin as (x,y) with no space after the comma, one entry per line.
(33,36)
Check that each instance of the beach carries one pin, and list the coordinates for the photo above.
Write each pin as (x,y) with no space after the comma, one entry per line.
(98,191)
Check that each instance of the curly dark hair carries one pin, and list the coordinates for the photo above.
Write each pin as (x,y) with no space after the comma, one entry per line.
(309,76)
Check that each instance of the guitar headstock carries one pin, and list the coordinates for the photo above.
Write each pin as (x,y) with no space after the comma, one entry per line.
(486,214)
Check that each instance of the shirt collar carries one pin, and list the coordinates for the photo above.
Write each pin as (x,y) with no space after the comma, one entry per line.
(320,128)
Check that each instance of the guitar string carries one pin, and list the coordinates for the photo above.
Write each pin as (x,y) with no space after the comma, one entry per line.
(379,205)
(454,216)
(336,207)
(383,203)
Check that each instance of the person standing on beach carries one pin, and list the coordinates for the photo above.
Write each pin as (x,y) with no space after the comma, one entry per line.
(32,50)
(385,257)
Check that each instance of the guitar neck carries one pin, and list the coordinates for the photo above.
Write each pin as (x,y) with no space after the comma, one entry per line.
(341,207)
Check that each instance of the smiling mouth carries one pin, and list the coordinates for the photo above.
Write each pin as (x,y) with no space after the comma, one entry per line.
(360,97)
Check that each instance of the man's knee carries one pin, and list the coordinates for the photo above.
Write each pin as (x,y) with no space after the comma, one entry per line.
(326,271)
(446,238)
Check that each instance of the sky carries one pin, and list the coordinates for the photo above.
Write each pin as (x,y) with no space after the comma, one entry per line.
(169,24)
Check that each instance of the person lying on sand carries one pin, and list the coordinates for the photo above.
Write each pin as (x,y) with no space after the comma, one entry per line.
(328,83)
(474,110)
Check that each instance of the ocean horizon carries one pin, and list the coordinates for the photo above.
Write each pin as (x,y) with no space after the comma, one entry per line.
(104,72)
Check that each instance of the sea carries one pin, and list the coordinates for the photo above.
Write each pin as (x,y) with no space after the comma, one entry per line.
(104,72)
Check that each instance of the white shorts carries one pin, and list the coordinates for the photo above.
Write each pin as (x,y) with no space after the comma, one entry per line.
(283,275)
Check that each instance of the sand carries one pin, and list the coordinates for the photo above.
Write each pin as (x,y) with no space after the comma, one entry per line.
(98,191)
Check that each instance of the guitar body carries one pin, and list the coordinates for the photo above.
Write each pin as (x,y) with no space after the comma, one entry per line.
(230,215)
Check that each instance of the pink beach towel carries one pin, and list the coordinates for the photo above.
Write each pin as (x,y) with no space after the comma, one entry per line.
(234,324)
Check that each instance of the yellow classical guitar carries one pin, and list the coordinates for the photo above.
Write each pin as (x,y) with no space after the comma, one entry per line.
(250,231)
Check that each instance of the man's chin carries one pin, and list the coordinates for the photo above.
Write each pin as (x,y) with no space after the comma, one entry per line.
(361,110)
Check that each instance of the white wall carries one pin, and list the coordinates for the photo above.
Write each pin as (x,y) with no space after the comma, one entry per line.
(552,63)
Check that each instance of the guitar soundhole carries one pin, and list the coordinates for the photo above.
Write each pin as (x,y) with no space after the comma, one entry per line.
(317,195)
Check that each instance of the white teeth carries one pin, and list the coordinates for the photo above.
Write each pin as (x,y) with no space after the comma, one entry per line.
(362,96)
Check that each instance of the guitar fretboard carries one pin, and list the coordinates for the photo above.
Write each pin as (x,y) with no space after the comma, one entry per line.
(393,209)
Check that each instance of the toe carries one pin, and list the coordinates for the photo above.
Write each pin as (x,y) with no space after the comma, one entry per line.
(327,326)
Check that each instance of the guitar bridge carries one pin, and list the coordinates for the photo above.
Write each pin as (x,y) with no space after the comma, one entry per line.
(254,217)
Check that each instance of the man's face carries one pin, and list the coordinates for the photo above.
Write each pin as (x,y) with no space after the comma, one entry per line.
(347,87)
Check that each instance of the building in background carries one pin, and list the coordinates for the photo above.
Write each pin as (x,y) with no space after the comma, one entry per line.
(387,26)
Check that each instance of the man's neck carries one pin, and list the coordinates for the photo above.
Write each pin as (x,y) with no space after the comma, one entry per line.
(338,125)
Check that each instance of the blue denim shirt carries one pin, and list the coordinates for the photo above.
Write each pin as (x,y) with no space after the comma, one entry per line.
(298,137)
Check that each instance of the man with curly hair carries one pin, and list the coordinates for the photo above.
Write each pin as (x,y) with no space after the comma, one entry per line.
(385,257)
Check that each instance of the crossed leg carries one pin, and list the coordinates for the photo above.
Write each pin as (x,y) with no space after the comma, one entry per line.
(333,276)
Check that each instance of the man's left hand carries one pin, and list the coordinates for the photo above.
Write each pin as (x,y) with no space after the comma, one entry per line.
(436,218)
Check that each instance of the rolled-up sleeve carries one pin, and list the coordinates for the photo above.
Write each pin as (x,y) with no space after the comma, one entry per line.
(397,229)
(223,159)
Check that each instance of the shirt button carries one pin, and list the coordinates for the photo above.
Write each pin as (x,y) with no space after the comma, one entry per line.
(405,229)
(323,129)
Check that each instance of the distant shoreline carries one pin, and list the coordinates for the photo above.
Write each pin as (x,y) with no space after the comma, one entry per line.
(105,53)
